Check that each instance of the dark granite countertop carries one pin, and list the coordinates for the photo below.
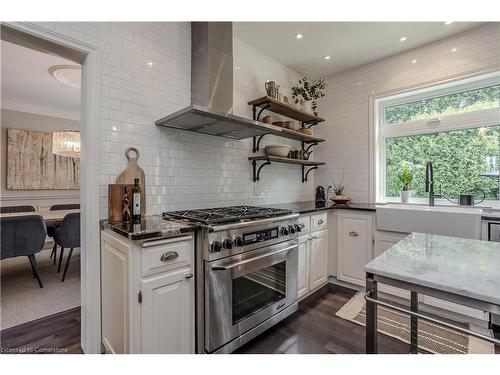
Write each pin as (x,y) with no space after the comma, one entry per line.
(150,227)
(310,206)
(155,226)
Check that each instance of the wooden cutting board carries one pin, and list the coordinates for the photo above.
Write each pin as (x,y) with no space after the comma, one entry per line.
(116,193)
(132,172)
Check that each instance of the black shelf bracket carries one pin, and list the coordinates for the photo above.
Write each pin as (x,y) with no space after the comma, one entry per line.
(256,116)
(305,174)
(310,146)
(256,171)
(309,123)
(256,142)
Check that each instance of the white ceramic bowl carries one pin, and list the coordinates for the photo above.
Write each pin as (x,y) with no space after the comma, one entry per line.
(277,150)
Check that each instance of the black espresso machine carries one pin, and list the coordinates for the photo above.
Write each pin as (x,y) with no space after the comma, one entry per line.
(320,197)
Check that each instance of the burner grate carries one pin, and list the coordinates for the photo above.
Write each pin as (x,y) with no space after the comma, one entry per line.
(227,214)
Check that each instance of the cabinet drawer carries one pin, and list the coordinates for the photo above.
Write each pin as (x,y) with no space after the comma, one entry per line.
(318,221)
(305,224)
(167,254)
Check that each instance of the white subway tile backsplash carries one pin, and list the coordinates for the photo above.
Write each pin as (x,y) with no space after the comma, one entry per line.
(182,169)
(346,107)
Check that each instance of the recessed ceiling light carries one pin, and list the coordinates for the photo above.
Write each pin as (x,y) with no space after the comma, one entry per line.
(150,63)
(413,61)
(454,49)
(402,39)
(448,22)
(298,36)
(70,75)
(327,57)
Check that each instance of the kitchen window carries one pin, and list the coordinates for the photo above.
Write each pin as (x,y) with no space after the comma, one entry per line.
(456,125)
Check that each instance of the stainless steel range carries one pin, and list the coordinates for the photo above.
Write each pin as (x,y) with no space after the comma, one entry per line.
(246,273)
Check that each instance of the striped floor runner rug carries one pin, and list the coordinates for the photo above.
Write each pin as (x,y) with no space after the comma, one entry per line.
(431,337)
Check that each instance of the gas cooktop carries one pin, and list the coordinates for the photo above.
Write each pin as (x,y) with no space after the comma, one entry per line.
(229,214)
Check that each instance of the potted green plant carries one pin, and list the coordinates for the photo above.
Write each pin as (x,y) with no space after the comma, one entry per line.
(307,92)
(338,191)
(405,177)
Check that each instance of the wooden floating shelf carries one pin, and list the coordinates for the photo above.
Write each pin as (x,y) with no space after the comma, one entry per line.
(299,136)
(277,159)
(291,134)
(284,109)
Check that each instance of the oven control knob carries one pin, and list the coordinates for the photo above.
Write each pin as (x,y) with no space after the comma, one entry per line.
(291,229)
(284,231)
(297,227)
(238,241)
(215,247)
(227,244)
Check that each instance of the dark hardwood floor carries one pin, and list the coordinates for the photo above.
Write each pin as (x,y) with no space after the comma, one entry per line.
(58,333)
(314,329)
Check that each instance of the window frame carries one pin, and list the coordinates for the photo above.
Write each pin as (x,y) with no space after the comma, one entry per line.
(465,120)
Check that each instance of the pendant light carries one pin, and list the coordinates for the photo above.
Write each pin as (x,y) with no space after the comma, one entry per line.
(66,143)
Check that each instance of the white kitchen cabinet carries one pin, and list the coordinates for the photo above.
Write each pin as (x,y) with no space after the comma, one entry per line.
(318,261)
(313,254)
(354,246)
(453,307)
(303,277)
(384,241)
(167,313)
(147,295)
(319,221)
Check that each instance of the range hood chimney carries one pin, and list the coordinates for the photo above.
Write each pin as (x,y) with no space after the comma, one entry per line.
(211,106)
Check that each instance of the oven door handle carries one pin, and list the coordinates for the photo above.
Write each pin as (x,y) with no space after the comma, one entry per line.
(233,265)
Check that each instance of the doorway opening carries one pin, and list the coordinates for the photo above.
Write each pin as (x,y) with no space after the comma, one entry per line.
(49,184)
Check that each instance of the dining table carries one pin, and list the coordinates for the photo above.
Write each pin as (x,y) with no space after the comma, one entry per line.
(51,217)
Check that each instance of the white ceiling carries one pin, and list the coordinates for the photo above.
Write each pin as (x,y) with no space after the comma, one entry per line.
(27,85)
(349,44)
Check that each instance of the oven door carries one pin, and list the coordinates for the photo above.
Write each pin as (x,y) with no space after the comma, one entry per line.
(245,290)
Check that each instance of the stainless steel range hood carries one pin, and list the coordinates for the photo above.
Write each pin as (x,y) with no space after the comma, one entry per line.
(211,106)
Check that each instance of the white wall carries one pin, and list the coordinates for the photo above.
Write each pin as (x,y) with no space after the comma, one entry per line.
(40,199)
(346,108)
(183,170)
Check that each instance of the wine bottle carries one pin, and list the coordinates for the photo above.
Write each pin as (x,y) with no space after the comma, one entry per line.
(136,199)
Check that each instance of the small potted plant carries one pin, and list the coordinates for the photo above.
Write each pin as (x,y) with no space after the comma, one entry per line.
(307,92)
(405,177)
(338,190)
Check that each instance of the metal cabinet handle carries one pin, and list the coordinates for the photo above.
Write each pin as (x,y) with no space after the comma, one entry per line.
(320,221)
(188,276)
(169,255)
(353,234)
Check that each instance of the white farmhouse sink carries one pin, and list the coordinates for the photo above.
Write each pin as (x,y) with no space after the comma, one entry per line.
(462,222)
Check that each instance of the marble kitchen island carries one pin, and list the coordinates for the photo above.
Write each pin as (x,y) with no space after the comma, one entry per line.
(458,270)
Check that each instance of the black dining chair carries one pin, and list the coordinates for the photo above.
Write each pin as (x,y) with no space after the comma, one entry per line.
(50,229)
(67,235)
(14,209)
(23,236)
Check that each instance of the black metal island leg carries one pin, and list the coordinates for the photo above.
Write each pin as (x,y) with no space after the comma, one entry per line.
(414,324)
(371,315)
